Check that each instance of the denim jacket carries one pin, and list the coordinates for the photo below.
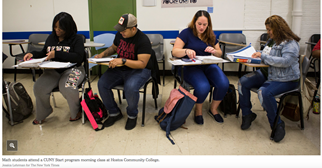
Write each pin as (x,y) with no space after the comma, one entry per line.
(283,61)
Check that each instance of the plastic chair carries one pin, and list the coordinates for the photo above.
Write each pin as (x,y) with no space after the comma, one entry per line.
(153,80)
(238,38)
(33,45)
(157,46)
(313,39)
(107,39)
(263,37)
(296,92)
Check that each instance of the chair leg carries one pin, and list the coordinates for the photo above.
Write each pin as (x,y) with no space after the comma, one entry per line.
(99,71)
(238,110)
(119,94)
(15,72)
(301,111)
(33,71)
(163,71)
(143,109)
(279,108)
(155,96)
(52,96)
(210,94)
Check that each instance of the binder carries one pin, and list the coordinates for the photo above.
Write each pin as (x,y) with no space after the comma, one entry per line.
(244,55)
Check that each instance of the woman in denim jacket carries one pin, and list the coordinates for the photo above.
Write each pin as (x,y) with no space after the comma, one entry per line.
(281,53)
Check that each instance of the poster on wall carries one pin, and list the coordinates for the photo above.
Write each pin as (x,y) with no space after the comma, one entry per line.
(185,3)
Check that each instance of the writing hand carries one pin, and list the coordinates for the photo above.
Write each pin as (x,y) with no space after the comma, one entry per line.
(190,53)
(27,57)
(50,55)
(99,55)
(256,55)
(210,50)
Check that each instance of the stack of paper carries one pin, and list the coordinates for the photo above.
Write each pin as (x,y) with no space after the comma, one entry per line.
(97,60)
(244,55)
(41,63)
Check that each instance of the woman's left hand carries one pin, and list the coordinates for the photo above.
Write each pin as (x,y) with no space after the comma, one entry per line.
(210,50)
(50,55)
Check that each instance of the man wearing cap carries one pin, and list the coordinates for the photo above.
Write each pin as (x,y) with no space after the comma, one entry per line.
(134,50)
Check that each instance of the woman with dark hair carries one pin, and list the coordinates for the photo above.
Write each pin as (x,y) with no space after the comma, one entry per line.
(62,45)
(199,39)
(281,53)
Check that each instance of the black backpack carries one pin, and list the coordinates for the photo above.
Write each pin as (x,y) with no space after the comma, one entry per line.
(20,102)
(228,104)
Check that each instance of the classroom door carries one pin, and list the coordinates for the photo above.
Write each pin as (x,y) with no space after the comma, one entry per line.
(104,15)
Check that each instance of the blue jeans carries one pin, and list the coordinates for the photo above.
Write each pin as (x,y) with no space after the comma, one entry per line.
(132,79)
(266,93)
(201,77)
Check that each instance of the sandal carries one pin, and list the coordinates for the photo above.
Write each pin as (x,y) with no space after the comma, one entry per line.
(36,122)
(78,116)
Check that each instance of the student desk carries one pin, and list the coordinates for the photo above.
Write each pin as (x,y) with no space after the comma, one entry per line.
(17,42)
(177,62)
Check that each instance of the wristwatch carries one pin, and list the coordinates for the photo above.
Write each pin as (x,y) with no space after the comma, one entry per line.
(123,61)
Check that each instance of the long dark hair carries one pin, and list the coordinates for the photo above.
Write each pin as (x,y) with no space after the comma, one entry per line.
(66,23)
(281,30)
(208,35)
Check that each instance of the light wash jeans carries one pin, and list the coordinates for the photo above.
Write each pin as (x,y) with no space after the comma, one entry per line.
(266,93)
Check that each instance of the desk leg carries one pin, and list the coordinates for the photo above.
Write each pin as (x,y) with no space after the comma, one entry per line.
(181,82)
(15,69)
(223,56)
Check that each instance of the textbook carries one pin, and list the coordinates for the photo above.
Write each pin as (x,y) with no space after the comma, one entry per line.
(244,55)
(41,63)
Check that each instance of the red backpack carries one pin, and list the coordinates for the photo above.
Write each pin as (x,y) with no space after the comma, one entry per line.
(94,109)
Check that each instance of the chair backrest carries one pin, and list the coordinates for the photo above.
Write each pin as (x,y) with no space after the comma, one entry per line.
(157,45)
(314,39)
(263,37)
(238,38)
(106,38)
(34,40)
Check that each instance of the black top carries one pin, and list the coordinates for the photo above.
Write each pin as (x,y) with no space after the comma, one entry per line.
(68,50)
(129,48)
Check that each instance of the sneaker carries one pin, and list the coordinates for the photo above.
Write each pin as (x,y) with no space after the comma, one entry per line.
(130,123)
(279,132)
(217,117)
(247,121)
(111,120)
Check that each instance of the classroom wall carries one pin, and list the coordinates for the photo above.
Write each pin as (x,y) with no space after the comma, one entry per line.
(247,16)
(25,16)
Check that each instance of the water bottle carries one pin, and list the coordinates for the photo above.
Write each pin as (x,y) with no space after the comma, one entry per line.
(316,105)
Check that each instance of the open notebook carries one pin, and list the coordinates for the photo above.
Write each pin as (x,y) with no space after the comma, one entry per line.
(41,63)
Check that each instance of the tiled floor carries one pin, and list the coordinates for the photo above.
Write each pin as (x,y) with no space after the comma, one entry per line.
(58,136)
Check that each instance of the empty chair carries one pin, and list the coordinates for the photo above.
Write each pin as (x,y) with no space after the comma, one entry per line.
(157,46)
(238,38)
(33,45)
(107,39)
